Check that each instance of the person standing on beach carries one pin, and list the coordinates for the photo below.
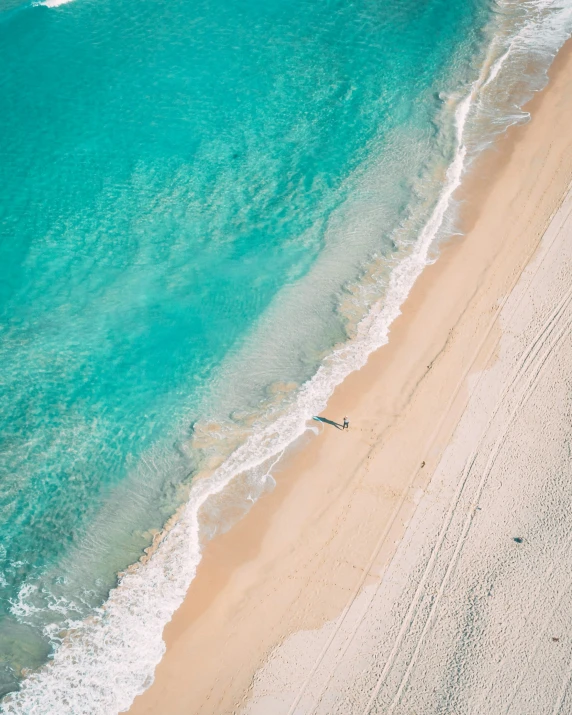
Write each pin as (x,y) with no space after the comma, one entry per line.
(346,423)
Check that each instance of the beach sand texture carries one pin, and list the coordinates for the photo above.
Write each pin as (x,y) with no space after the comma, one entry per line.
(382,574)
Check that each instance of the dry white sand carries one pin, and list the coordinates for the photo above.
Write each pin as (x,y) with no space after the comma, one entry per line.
(466,619)
(381,575)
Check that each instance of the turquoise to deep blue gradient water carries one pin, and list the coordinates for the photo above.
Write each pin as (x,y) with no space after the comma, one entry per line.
(171,173)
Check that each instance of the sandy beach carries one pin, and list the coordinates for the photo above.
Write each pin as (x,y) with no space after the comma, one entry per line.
(382,573)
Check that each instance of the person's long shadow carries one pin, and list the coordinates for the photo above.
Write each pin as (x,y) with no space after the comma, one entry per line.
(329,422)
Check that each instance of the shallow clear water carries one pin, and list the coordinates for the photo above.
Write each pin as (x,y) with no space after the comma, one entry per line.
(198,202)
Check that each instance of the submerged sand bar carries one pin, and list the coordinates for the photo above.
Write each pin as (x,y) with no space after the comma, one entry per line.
(367,583)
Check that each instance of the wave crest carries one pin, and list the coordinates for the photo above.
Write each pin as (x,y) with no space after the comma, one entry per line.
(106,661)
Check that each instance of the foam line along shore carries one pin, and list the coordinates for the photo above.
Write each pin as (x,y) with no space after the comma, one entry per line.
(299,570)
(162,239)
(123,637)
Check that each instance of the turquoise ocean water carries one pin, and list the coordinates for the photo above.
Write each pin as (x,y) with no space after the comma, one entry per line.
(205,209)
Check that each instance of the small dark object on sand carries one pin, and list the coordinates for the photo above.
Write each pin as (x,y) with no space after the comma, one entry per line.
(555,639)
(422,465)
(518,539)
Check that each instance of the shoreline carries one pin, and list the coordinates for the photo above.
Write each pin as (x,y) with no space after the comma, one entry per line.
(302,551)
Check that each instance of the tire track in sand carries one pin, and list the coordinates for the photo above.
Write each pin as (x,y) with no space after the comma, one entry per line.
(524,396)
(341,619)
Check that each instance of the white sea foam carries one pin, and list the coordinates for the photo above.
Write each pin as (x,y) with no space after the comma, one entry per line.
(497,66)
(105,661)
(52,3)
(544,31)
